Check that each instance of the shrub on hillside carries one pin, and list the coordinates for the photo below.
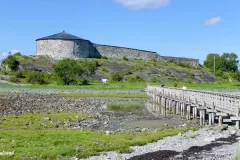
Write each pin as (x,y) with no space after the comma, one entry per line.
(12,62)
(225,75)
(235,75)
(135,78)
(136,68)
(125,58)
(116,77)
(70,71)
(104,57)
(175,84)
(20,74)
(14,79)
(18,54)
(164,74)
(37,78)
(190,75)
(4,72)
(219,73)
(155,80)
(184,64)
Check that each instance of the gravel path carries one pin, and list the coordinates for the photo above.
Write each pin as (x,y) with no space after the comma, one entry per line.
(206,143)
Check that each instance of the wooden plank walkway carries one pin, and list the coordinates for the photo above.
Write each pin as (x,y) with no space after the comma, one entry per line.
(197,103)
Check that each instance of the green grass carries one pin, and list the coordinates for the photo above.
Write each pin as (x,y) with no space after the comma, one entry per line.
(41,140)
(40,120)
(103,95)
(62,144)
(126,106)
(120,87)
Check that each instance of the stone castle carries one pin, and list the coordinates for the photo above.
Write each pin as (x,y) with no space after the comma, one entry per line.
(65,45)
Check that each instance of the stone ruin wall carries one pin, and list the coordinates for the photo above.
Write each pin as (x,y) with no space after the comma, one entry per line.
(115,52)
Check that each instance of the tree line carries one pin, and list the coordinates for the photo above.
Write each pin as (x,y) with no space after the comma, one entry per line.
(227,62)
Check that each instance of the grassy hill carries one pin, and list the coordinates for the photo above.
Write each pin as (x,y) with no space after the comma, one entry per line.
(130,72)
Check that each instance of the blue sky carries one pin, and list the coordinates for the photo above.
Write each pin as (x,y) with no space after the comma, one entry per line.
(183,28)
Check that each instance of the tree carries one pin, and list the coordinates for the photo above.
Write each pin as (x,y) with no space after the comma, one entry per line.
(209,62)
(229,62)
(69,70)
(226,62)
(12,62)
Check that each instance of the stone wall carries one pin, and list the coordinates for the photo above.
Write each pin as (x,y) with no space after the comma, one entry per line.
(67,49)
(115,52)
(194,62)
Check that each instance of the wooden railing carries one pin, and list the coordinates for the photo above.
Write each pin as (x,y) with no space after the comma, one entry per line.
(219,101)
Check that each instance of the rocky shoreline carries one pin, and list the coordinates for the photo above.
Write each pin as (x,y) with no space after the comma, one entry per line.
(102,119)
(206,143)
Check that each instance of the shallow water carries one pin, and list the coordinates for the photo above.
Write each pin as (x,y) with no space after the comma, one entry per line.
(147,117)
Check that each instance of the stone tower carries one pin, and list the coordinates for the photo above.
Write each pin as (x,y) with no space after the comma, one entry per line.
(65,45)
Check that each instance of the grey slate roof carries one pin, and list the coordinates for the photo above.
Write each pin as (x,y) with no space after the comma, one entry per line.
(62,36)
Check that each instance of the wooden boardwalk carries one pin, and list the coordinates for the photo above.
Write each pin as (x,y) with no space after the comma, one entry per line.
(194,104)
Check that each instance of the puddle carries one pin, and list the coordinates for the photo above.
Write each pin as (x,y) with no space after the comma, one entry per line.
(148,116)
(151,123)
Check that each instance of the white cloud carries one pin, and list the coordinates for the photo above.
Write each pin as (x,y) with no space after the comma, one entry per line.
(213,21)
(143,4)
(5,54)
(13,51)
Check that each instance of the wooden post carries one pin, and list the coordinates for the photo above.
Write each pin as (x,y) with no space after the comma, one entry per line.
(189,111)
(201,117)
(194,112)
(165,107)
(237,115)
(220,120)
(210,118)
(213,118)
(184,109)
(174,107)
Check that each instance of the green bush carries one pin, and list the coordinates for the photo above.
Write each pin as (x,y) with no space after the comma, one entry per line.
(5,72)
(136,68)
(235,75)
(190,75)
(184,64)
(85,82)
(116,77)
(225,75)
(175,84)
(18,54)
(104,69)
(37,78)
(20,74)
(12,62)
(135,78)
(104,57)
(125,58)
(155,80)
(219,73)
(164,74)
(70,71)
(14,79)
